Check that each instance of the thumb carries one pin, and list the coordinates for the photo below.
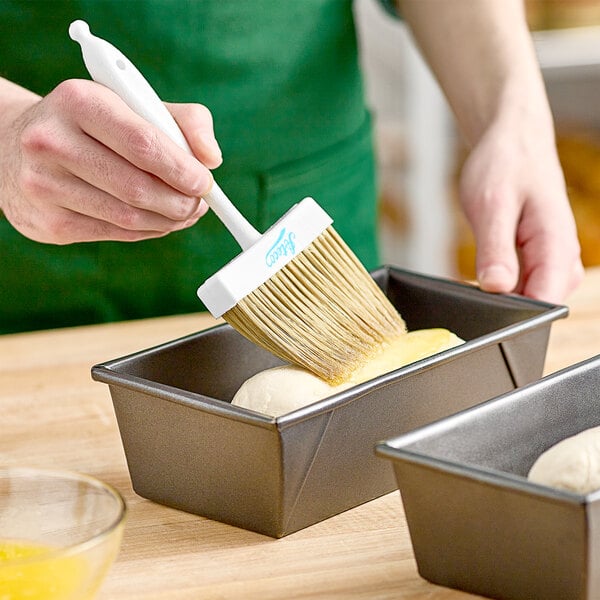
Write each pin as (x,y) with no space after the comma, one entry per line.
(196,123)
(497,261)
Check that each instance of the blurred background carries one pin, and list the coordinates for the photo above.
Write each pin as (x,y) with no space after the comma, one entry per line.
(420,152)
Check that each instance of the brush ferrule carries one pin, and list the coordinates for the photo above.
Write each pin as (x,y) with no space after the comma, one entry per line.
(280,244)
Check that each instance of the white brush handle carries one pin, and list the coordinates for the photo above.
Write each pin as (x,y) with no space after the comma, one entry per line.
(111,68)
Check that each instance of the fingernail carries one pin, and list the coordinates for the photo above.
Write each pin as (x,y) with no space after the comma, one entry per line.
(496,278)
(203,184)
(210,145)
(200,211)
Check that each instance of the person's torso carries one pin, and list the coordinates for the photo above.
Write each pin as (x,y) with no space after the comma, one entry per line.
(283,83)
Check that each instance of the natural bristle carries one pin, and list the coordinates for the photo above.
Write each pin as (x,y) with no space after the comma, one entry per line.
(322,311)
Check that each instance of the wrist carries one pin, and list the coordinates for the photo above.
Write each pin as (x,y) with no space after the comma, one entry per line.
(14,101)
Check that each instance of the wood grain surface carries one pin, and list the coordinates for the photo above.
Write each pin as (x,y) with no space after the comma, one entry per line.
(53,415)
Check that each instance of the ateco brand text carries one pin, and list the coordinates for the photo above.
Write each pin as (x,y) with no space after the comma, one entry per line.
(284,246)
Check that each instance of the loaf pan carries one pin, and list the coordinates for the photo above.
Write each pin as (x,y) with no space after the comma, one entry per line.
(187,447)
(476,522)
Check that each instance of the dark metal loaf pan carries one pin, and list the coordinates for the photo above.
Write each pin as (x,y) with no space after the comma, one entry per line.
(476,522)
(189,448)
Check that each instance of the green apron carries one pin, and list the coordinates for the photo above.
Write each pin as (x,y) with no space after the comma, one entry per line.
(282,81)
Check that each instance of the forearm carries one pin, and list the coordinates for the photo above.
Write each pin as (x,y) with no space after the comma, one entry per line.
(482,55)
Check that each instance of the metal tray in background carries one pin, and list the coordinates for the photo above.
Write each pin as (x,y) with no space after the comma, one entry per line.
(189,448)
(476,522)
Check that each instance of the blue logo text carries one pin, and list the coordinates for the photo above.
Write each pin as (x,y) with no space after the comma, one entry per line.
(283,246)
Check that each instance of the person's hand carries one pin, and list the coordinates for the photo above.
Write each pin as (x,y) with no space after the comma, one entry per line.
(513,194)
(512,187)
(79,165)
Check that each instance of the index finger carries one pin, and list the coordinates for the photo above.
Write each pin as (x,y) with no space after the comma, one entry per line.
(102,115)
(552,276)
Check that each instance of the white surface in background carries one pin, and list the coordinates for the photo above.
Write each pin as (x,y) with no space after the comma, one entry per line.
(408,103)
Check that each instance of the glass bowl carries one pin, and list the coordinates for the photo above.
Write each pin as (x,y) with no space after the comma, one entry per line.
(59,534)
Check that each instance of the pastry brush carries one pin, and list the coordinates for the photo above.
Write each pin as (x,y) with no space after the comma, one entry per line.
(297,289)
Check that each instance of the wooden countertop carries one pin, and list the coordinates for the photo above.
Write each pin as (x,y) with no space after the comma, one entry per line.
(53,415)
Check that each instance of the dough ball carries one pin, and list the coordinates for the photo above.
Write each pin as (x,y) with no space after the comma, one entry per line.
(282,389)
(573,464)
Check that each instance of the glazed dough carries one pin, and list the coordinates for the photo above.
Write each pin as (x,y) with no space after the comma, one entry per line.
(573,464)
(282,389)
